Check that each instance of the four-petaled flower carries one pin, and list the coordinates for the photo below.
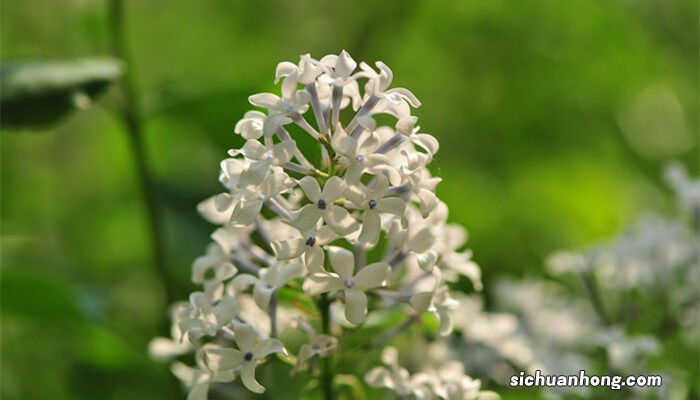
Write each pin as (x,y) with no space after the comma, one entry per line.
(250,350)
(352,284)
(371,202)
(318,345)
(309,244)
(336,217)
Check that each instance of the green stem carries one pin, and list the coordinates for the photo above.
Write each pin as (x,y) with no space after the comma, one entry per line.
(131,117)
(594,296)
(327,367)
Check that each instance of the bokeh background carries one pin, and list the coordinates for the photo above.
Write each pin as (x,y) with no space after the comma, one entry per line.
(555,120)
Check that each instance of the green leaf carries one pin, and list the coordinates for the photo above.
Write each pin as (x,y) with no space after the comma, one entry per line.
(35,93)
(29,295)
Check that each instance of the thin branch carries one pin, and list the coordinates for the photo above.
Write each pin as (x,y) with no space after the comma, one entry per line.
(132,118)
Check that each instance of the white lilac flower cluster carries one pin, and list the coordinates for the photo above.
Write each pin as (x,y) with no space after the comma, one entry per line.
(350,220)
(448,382)
(630,297)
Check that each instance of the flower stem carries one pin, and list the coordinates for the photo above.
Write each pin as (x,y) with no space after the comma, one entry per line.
(131,117)
(327,367)
(591,285)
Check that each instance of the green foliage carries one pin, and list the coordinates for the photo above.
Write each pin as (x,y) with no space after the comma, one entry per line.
(35,93)
(525,97)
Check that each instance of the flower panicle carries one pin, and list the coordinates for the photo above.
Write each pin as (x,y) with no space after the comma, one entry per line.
(291,219)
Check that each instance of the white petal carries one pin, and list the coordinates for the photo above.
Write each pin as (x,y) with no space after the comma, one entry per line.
(287,249)
(322,283)
(274,122)
(342,260)
(199,392)
(379,377)
(313,258)
(340,220)
(371,226)
(344,65)
(248,378)
(422,300)
(392,205)
(311,188)
(372,276)
(305,352)
(307,217)
(244,335)
(223,359)
(264,100)
(405,125)
(254,173)
(245,212)
(427,142)
(333,189)
(283,69)
(262,293)
(289,87)
(445,323)
(355,306)
(428,201)
(253,150)
(287,272)
(207,209)
(425,261)
(344,144)
(226,310)
(380,188)
(223,202)
(267,347)
(283,151)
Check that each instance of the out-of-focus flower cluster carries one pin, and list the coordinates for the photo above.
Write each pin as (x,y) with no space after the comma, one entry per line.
(447,382)
(347,219)
(630,299)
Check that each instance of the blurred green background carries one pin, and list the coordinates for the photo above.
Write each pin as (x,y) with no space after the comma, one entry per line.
(555,119)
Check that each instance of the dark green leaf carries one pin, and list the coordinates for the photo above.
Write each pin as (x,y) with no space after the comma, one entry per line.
(35,93)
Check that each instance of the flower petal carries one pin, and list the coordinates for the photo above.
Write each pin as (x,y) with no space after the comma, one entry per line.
(274,122)
(287,249)
(427,142)
(333,189)
(267,347)
(254,150)
(392,205)
(262,293)
(248,377)
(380,188)
(199,392)
(371,225)
(342,260)
(283,151)
(340,220)
(287,272)
(245,212)
(311,188)
(421,300)
(355,306)
(313,258)
(372,276)
(226,310)
(264,100)
(445,323)
(244,335)
(307,217)
(254,173)
(223,359)
(322,283)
